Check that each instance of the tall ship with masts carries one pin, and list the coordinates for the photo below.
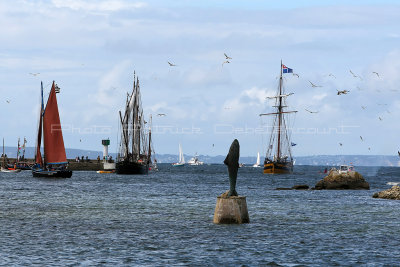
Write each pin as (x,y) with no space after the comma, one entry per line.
(279,154)
(134,156)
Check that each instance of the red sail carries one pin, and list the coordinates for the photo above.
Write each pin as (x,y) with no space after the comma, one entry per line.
(39,141)
(54,149)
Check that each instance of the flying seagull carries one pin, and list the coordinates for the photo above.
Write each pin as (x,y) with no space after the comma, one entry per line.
(342,92)
(313,85)
(355,76)
(380,118)
(34,74)
(340,144)
(170,64)
(227,57)
(8,101)
(295,74)
(331,75)
(225,62)
(311,111)
(161,114)
(361,138)
(377,74)
(363,107)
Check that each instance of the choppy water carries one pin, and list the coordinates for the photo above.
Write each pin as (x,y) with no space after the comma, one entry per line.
(165,218)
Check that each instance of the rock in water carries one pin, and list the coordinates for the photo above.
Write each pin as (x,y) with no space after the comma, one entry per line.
(336,180)
(391,193)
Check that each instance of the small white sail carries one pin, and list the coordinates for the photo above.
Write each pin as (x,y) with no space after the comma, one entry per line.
(258,161)
(181,157)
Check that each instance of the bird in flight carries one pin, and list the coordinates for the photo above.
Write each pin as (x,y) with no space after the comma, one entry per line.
(361,138)
(8,101)
(161,114)
(171,65)
(340,144)
(363,107)
(295,74)
(225,62)
(311,111)
(355,76)
(313,85)
(34,74)
(342,92)
(380,118)
(331,75)
(377,74)
(227,107)
(226,56)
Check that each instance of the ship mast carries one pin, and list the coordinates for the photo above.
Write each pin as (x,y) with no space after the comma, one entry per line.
(278,151)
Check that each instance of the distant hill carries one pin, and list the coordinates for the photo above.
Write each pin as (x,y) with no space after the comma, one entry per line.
(319,160)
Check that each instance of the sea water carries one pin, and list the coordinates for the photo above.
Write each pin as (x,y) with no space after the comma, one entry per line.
(165,218)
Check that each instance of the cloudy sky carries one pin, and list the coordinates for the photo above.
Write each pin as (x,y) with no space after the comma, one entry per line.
(91,48)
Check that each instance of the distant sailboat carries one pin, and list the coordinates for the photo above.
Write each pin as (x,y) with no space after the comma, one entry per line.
(54,163)
(257,165)
(279,155)
(3,164)
(181,159)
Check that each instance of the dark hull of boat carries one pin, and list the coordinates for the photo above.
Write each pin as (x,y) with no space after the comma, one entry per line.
(52,174)
(278,167)
(127,167)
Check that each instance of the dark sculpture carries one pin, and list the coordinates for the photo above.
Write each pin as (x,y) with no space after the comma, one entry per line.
(232,161)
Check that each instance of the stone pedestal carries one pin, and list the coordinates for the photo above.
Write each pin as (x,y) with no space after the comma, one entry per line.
(231,210)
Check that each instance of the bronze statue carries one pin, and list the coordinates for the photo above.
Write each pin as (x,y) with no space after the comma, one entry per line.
(232,161)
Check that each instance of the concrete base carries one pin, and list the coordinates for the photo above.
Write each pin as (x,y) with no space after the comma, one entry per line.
(231,210)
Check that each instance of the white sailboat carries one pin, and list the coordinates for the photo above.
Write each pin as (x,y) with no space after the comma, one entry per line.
(181,158)
(257,165)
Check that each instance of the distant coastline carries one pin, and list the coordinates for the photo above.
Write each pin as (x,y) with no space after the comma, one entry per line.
(315,160)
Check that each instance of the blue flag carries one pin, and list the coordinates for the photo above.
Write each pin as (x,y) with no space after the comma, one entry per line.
(286,69)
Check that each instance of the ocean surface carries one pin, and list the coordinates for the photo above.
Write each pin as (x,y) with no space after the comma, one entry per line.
(165,218)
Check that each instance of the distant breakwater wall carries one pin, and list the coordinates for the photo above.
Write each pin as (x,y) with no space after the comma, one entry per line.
(73,165)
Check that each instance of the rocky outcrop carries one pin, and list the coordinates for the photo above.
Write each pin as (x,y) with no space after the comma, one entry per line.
(391,193)
(335,180)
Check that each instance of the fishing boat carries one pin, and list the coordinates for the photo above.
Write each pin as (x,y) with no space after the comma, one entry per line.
(54,162)
(3,164)
(134,149)
(195,161)
(279,155)
(257,164)
(181,158)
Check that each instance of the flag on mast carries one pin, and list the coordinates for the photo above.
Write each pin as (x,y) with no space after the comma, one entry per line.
(286,69)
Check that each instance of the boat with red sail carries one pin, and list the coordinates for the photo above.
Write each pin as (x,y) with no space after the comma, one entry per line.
(54,161)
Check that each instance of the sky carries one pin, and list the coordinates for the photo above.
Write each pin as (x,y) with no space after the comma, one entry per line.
(91,49)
